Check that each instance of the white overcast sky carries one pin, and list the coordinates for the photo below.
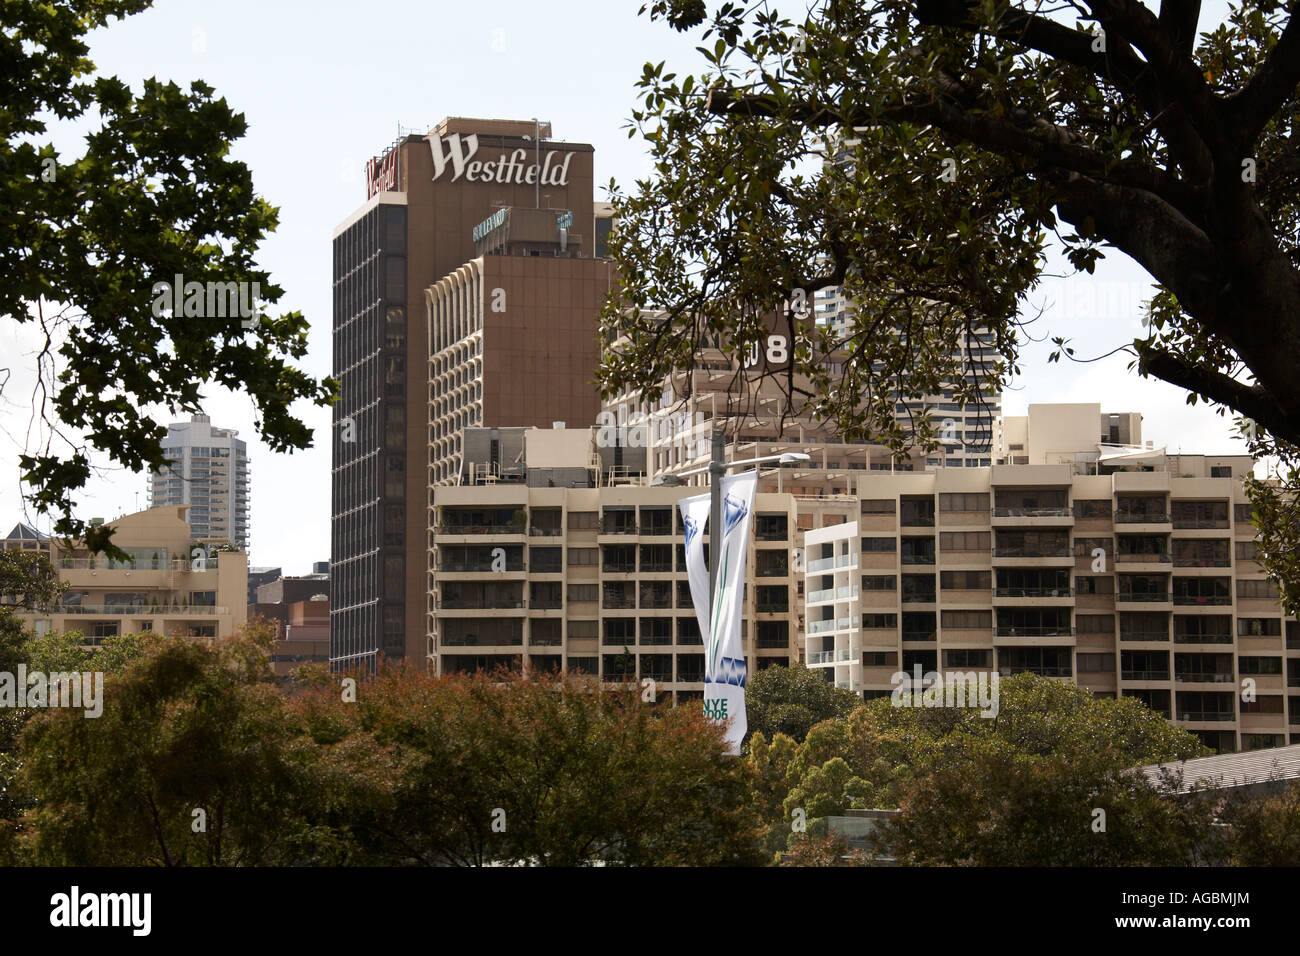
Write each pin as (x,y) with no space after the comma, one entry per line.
(324,85)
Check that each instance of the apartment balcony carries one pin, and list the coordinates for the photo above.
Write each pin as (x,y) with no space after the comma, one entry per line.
(1206,716)
(1032,630)
(1146,598)
(839,656)
(1204,677)
(1133,637)
(1153,520)
(135,610)
(1215,600)
(1013,670)
(1033,518)
(772,607)
(843,593)
(1144,675)
(488,605)
(1144,562)
(1014,596)
(837,562)
(1021,557)
(1225,638)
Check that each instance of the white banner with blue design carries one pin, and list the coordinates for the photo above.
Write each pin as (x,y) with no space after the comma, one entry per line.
(724,662)
(695,518)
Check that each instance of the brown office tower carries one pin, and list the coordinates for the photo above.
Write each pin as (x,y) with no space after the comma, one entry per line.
(466,293)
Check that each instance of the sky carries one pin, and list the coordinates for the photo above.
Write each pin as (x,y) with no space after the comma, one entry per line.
(325,85)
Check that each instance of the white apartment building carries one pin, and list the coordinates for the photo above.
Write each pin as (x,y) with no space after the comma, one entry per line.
(210,473)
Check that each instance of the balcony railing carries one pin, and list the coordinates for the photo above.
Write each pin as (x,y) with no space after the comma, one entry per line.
(1032,513)
(1186,600)
(1012,670)
(618,602)
(1139,558)
(772,607)
(1147,597)
(1138,517)
(619,567)
(1223,562)
(1034,630)
(1144,675)
(545,532)
(1202,638)
(821,627)
(1206,715)
(919,597)
(1185,523)
(1020,551)
(1203,677)
(656,567)
(926,635)
(826,564)
(103,564)
(1033,592)
(487,604)
(1143,635)
(119,610)
(821,657)
(480,529)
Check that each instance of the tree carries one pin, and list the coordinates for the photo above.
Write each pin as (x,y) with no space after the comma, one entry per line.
(919,153)
(547,771)
(987,805)
(789,700)
(86,242)
(191,763)
(1265,830)
(964,782)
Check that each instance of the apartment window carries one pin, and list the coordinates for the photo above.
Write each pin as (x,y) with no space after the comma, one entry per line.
(1097,585)
(1095,623)
(1084,547)
(1259,627)
(585,665)
(583,521)
(964,657)
(878,506)
(1220,471)
(1247,550)
(967,620)
(975,501)
(880,658)
(879,621)
(878,545)
(1247,588)
(965,580)
(579,557)
(1243,513)
(1096,663)
(584,628)
(1259,665)
(879,582)
(1092,508)
(964,540)
(619,630)
(584,592)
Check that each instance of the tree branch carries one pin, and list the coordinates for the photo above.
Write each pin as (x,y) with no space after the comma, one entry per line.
(1274,82)
(1251,401)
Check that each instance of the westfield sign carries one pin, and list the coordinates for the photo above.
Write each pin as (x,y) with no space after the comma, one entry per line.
(457,153)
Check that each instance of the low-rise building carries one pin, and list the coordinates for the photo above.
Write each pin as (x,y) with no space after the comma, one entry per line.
(168,584)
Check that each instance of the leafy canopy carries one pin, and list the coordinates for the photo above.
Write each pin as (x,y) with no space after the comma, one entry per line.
(85,238)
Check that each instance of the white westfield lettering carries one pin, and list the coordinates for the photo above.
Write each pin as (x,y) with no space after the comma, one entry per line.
(512,167)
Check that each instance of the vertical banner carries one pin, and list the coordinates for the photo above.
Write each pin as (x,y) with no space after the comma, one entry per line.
(724,662)
(695,516)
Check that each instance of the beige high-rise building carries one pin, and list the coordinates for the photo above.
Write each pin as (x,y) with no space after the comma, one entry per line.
(1119,567)
(168,585)
(535,560)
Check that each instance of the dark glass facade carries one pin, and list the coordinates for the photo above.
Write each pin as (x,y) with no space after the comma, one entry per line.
(368,490)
